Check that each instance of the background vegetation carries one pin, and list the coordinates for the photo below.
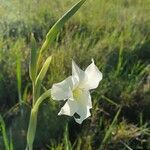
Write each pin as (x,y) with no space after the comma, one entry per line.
(113,32)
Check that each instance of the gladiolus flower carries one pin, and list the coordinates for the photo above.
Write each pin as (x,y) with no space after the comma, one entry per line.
(75,89)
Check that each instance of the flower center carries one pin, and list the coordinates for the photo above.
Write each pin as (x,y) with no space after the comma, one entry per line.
(77,93)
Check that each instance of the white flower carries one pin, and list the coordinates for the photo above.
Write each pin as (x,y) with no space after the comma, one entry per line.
(75,89)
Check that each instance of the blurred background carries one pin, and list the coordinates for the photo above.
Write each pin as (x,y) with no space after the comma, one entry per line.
(116,33)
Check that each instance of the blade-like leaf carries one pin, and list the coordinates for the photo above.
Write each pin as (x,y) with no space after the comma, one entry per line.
(18,74)
(3,130)
(41,99)
(110,129)
(41,76)
(25,92)
(67,144)
(33,59)
(44,69)
(51,35)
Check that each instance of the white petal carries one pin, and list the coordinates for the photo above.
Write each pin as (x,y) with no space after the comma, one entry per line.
(94,76)
(83,112)
(85,99)
(75,82)
(69,108)
(62,90)
(77,72)
(84,105)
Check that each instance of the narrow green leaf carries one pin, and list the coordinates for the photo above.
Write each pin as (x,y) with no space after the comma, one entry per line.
(33,59)
(18,74)
(127,146)
(25,92)
(110,101)
(3,130)
(41,76)
(52,34)
(110,129)
(44,69)
(41,99)
(67,144)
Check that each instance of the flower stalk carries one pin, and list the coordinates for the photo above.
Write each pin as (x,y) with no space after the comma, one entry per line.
(32,128)
(38,75)
(33,120)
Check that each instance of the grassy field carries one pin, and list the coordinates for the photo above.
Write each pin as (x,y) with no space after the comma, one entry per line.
(116,33)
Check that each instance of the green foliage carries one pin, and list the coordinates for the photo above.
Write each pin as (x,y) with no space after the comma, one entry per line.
(3,130)
(7,142)
(109,130)
(116,34)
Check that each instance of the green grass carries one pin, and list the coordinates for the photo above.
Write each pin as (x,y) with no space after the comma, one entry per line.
(116,34)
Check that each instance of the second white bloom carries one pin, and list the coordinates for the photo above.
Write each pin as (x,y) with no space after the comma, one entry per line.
(75,89)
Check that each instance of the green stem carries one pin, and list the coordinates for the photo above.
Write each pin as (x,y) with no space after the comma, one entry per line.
(33,120)
(110,101)
(110,129)
(31,129)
